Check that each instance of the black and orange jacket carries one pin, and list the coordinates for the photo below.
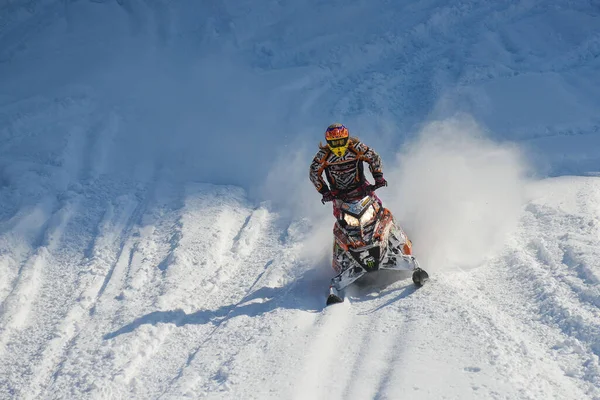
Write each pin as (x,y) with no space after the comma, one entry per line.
(344,173)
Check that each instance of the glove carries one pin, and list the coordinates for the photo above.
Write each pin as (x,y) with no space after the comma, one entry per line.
(327,196)
(379,182)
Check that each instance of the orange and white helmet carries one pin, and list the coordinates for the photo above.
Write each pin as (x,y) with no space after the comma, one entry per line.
(337,136)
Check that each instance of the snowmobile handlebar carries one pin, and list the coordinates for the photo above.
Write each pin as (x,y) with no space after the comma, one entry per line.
(351,194)
(372,188)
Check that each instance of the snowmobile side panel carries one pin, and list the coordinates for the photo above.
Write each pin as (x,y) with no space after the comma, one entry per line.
(402,263)
(347,277)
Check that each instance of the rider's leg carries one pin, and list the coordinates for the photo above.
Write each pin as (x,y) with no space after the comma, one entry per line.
(336,210)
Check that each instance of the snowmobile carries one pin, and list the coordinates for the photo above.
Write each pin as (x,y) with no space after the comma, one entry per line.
(367,239)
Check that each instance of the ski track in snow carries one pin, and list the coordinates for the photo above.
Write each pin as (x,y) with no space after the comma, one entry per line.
(123,280)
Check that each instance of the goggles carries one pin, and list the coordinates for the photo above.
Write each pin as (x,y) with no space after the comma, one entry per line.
(337,142)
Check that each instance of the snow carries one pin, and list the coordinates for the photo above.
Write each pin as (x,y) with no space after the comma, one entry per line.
(159,237)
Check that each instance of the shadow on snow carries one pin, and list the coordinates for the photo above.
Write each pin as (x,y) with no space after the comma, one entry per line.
(307,293)
(376,287)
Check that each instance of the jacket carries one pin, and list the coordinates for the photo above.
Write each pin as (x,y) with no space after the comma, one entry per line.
(344,173)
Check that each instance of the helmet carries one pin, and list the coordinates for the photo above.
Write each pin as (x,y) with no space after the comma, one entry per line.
(337,139)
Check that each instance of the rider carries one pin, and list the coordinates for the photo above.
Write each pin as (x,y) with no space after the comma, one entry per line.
(342,161)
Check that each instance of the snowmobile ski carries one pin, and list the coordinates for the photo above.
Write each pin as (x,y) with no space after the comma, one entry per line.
(335,296)
(333,299)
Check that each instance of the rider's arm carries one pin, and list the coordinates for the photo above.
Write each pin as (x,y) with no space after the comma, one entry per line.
(368,155)
(316,172)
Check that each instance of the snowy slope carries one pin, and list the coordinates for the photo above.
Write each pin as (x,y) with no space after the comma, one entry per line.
(209,300)
(159,237)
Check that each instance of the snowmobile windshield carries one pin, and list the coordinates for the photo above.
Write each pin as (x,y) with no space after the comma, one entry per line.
(356,208)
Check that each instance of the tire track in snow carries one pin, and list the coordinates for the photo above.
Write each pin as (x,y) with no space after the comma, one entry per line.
(208,225)
(116,247)
(20,303)
(250,340)
(195,235)
(515,349)
(21,235)
(251,268)
(359,348)
(560,306)
(60,272)
(118,270)
(563,257)
(379,351)
(218,324)
(143,349)
(146,348)
(385,372)
(325,358)
(108,259)
(154,252)
(44,234)
(466,339)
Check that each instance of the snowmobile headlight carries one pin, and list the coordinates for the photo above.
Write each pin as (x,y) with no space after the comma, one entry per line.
(368,216)
(350,220)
